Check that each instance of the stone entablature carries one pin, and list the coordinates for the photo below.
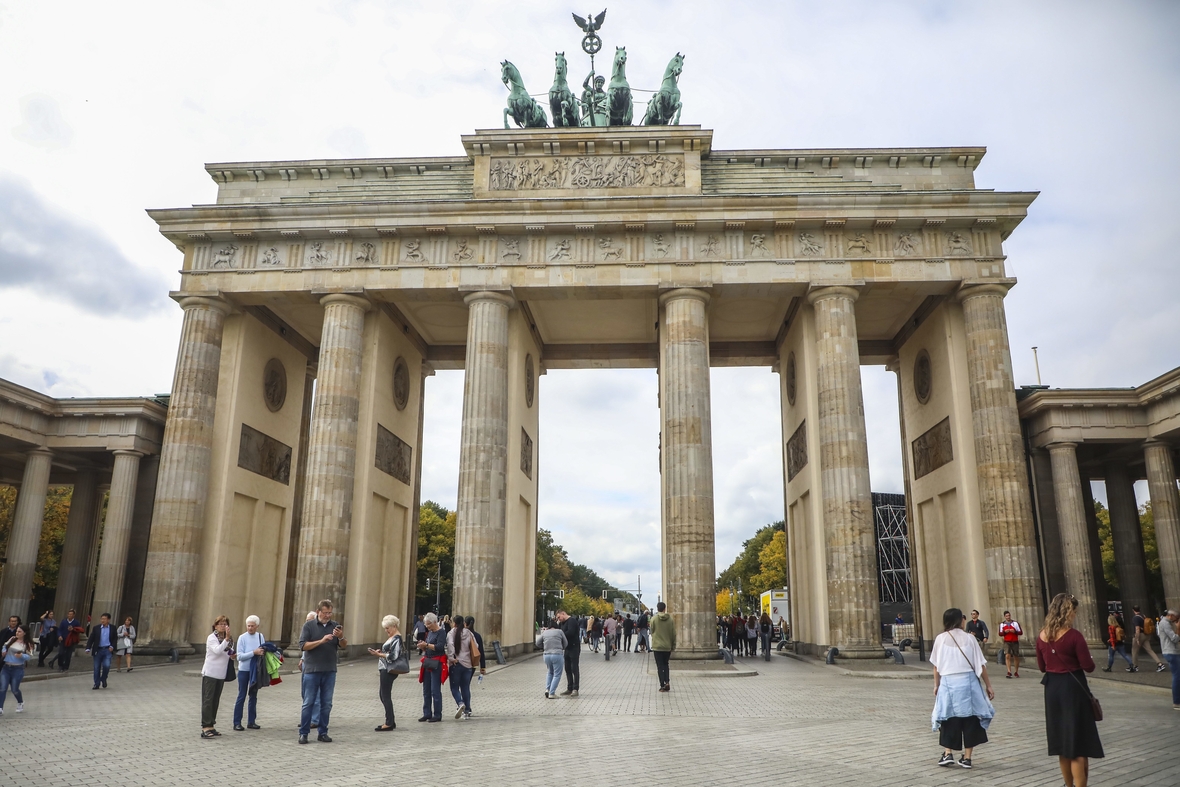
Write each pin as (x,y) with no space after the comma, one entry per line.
(84,424)
(1079,415)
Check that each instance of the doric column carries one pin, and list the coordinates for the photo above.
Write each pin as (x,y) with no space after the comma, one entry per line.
(687,464)
(1075,543)
(1095,548)
(1005,505)
(75,551)
(483,464)
(112,557)
(1130,563)
(170,575)
(854,614)
(1165,509)
(331,460)
(416,512)
(24,539)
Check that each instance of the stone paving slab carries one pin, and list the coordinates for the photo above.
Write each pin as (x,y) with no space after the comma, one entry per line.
(793,723)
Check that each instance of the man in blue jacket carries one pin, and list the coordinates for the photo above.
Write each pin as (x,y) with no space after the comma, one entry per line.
(101,643)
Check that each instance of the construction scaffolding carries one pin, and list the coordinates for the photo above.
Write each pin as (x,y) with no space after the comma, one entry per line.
(893,549)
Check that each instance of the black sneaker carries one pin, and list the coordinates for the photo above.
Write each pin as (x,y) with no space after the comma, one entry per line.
(1132,669)
(303,739)
(946,759)
(424,718)
(1106,669)
(1160,667)
(323,739)
(965,762)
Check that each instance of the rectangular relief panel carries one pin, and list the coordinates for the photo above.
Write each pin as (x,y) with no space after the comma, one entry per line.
(586,172)
(526,454)
(797,451)
(933,449)
(394,455)
(260,453)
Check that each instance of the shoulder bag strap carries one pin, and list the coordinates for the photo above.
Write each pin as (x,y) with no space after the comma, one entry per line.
(960,647)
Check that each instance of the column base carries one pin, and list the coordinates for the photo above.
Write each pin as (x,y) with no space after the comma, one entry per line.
(157,648)
(689,654)
(861,652)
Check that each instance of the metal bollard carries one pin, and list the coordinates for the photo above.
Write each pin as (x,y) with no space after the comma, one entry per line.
(832,654)
(896,655)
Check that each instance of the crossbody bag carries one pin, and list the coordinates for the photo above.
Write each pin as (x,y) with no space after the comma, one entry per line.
(1095,705)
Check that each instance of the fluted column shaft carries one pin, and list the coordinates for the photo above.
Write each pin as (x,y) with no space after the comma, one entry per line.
(1165,510)
(687,452)
(174,558)
(331,460)
(116,534)
(483,465)
(24,539)
(1130,562)
(854,615)
(75,551)
(1075,543)
(1005,505)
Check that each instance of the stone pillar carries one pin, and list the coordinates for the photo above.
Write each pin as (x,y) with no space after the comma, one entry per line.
(141,531)
(300,477)
(1005,505)
(1075,545)
(24,539)
(1165,509)
(416,512)
(116,534)
(854,612)
(687,464)
(75,551)
(331,461)
(1095,549)
(174,558)
(1130,563)
(483,465)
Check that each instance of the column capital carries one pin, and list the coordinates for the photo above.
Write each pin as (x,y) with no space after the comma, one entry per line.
(970,288)
(40,451)
(128,452)
(489,295)
(820,292)
(212,303)
(1062,445)
(358,301)
(684,292)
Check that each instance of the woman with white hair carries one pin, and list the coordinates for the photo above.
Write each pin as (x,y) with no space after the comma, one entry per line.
(249,648)
(434,659)
(387,658)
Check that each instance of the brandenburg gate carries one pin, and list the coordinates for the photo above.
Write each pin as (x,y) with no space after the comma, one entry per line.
(319,295)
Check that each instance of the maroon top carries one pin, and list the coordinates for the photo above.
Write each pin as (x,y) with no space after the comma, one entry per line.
(1068,654)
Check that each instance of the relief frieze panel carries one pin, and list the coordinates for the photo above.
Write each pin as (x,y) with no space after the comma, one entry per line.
(933,448)
(262,454)
(797,451)
(394,456)
(586,172)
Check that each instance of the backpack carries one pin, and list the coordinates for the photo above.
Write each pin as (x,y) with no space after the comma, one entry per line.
(1149,625)
(1119,634)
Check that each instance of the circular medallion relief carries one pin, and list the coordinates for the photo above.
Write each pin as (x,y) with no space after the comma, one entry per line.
(791,379)
(923,378)
(274,385)
(401,383)
(530,380)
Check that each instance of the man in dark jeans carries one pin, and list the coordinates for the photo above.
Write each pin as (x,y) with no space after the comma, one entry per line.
(573,651)
(320,640)
(628,627)
(663,642)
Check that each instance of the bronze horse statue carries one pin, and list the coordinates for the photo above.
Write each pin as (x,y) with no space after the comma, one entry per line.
(524,110)
(618,91)
(562,103)
(664,107)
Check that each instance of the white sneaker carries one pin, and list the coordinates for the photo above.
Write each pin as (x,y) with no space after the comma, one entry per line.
(20,707)
(1,711)
(459,712)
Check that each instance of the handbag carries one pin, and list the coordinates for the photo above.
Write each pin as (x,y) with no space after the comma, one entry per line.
(401,664)
(1095,705)
(231,672)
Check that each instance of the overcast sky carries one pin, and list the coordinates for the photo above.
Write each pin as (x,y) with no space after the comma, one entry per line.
(106,110)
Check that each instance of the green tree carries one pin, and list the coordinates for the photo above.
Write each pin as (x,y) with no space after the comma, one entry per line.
(748,564)
(1155,582)
(436,547)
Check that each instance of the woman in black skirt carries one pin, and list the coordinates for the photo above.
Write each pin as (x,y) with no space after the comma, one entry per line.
(1062,655)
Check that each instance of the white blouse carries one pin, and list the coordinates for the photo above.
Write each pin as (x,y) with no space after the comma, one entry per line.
(949,659)
(216,657)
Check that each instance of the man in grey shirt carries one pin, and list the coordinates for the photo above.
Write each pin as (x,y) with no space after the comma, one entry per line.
(320,640)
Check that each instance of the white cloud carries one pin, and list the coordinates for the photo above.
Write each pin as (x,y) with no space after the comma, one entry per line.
(42,123)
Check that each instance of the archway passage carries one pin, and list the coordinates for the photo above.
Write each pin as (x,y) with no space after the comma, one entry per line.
(366,275)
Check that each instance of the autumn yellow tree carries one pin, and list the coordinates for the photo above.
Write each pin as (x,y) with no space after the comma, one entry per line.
(772,560)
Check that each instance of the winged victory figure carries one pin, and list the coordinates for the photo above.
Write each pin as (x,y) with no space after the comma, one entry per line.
(590,27)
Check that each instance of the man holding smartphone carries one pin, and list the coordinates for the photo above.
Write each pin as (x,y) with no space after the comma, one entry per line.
(320,640)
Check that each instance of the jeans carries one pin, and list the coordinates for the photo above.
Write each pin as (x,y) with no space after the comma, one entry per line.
(383,693)
(553,666)
(662,657)
(432,694)
(572,673)
(64,656)
(1172,659)
(102,665)
(243,692)
(627,640)
(461,684)
(317,686)
(315,705)
(1111,652)
(10,677)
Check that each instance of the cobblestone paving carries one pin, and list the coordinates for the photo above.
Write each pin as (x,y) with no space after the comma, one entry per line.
(794,723)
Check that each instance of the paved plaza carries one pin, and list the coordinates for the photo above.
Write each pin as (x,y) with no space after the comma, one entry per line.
(793,723)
